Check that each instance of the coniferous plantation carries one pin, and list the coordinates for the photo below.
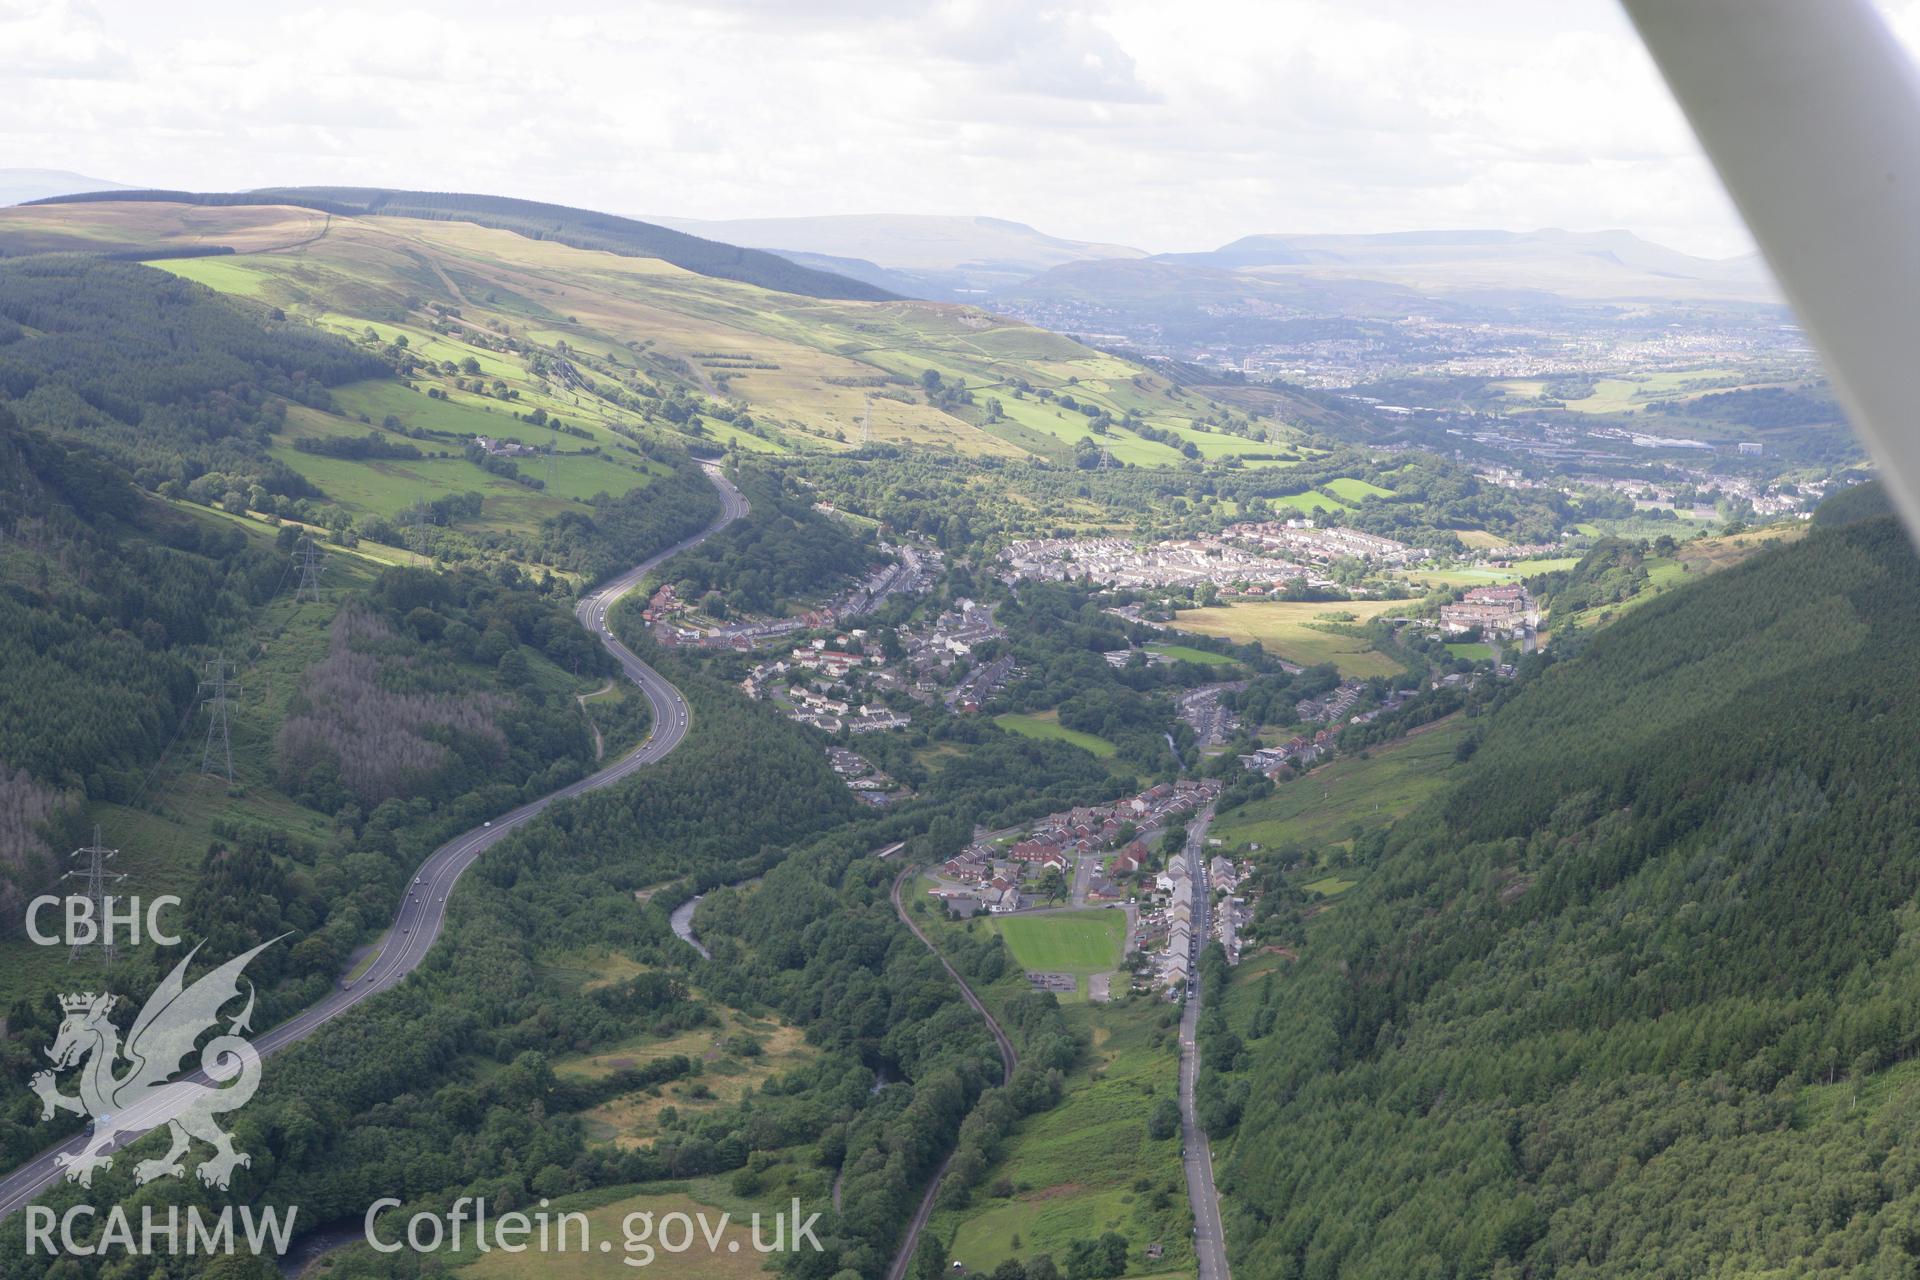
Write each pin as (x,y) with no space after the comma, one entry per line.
(165,375)
(1639,990)
(684,725)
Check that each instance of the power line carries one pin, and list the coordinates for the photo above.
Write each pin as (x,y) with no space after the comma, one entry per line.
(186,715)
(96,875)
(165,751)
(218,689)
(255,649)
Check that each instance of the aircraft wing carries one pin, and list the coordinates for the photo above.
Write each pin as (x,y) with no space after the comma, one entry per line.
(1810,110)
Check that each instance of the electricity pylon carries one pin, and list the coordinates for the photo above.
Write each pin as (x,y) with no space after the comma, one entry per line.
(311,560)
(96,875)
(218,690)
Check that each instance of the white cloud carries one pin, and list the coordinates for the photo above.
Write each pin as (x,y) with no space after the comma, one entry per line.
(57,41)
(1168,126)
(1055,51)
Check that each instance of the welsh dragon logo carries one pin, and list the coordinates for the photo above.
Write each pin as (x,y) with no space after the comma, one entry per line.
(146,1096)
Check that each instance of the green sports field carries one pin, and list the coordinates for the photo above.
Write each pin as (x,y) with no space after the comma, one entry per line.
(1330,885)
(1065,941)
(1187,653)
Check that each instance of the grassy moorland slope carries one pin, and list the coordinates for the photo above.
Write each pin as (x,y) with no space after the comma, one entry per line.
(601,338)
(582,228)
(224,401)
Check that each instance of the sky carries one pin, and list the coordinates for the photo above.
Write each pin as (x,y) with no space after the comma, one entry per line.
(1141,122)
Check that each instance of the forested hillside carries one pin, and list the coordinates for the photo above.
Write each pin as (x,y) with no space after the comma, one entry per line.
(116,378)
(1639,996)
(102,594)
(437,702)
(390,708)
(449,1086)
(175,382)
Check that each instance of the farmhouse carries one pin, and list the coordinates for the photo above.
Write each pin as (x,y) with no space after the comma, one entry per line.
(503,448)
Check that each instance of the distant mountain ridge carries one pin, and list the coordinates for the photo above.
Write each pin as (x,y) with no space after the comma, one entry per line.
(18,186)
(1274,290)
(996,260)
(930,254)
(983,259)
(1579,264)
(908,241)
